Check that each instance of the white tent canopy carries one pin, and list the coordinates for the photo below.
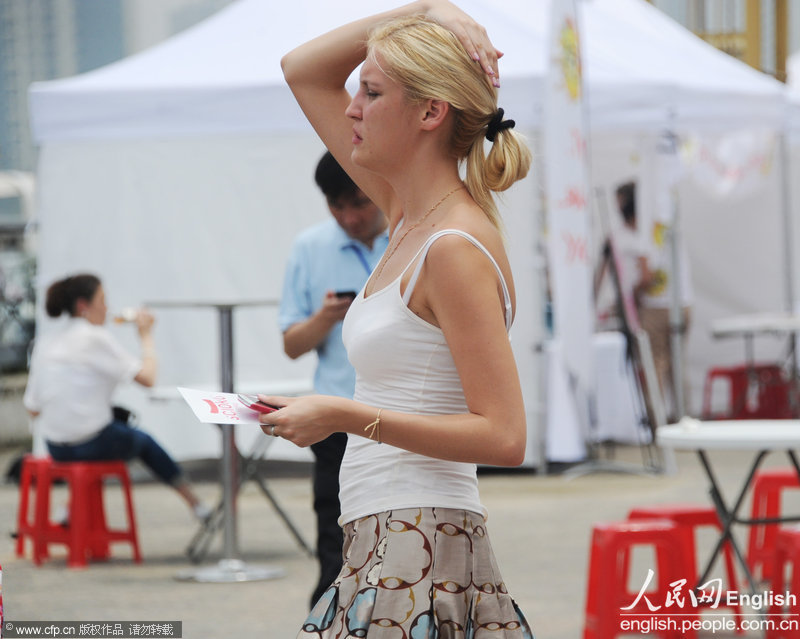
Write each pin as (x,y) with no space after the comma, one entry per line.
(183,172)
(223,76)
(646,70)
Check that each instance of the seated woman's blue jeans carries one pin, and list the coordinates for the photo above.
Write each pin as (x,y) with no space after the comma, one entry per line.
(118,441)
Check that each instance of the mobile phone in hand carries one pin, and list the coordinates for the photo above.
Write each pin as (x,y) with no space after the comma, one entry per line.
(252,402)
(343,295)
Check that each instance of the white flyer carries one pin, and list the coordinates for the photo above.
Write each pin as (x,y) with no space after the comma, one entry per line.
(213,407)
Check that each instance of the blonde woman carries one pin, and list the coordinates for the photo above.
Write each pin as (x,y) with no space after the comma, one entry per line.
(437,390)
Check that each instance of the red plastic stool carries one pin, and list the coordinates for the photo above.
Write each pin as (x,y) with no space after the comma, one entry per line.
(33,475)
(692,516)
(87,535)
(607,587)
(755,391)
(767,487)
(784,615)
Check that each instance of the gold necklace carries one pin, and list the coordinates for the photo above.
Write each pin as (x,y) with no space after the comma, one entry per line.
(386,258)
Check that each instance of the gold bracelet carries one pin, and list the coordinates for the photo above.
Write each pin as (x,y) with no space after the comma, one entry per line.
(374,428)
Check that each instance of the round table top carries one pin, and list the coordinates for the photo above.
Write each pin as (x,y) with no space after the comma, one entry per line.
(210,303)
(744,434)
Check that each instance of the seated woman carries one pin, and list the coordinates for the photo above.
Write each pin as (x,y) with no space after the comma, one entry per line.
(74,372)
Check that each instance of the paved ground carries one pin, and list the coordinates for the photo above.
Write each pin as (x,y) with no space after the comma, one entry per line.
(540,527)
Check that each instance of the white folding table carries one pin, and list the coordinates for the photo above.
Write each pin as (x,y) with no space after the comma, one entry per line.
(759,436)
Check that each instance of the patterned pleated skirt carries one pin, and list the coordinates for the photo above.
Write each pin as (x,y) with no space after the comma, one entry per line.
(418,573)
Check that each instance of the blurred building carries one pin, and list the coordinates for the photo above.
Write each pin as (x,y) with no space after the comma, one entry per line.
(43,40)
(761,33)
(47,39)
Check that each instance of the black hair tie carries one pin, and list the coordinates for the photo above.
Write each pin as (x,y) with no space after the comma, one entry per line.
(497,124)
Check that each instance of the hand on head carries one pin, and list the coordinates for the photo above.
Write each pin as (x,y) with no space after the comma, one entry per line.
(471,34)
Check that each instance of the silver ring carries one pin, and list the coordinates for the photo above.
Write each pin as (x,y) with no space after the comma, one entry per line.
(272,430)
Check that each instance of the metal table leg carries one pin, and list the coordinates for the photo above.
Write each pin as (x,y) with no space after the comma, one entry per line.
(728,517)
(198,546)
(230,568)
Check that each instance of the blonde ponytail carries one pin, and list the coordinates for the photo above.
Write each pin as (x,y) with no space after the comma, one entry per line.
(508,161)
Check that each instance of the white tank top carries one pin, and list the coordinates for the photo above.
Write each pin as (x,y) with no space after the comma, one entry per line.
(403,364)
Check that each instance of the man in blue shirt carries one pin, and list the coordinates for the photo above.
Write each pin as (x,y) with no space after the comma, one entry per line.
(329,263)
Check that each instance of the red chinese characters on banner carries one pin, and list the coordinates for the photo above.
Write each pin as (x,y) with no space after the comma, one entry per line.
(576,250)
(573,199)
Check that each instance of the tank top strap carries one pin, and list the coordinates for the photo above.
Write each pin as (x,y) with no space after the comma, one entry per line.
(423,252)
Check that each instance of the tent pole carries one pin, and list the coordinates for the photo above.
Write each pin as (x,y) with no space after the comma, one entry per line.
(545,317)
(675,308)
(676,327)
(788,228)
(788,261)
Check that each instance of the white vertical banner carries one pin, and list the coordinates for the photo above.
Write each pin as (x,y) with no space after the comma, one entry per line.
(566,181)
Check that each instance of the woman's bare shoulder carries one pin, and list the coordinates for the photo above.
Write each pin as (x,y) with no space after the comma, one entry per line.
(470,219)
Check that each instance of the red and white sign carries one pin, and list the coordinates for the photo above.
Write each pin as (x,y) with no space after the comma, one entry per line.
(218,408)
